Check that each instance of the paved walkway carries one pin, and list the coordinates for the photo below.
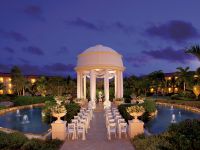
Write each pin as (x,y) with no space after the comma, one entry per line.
(96,138)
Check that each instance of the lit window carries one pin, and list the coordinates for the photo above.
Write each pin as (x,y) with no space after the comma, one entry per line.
(176,77)
(10,91)
(170,90)
(176,90)
(9,79)
(151,90)
(169,78)
(1,79)
(1,91)
(10,85)
(33,80)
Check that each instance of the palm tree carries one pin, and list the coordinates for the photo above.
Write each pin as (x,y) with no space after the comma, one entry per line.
(195,50)
(41,86)
(18,81)
(183,75)
(157,79)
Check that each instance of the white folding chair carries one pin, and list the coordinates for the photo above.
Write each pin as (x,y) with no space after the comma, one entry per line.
(122,129)
(81,130)
(71,130)
(111,130)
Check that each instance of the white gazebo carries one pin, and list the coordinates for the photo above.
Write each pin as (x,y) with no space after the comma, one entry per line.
(99,62)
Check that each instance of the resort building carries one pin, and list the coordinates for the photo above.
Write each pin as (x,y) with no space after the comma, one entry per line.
(5,78)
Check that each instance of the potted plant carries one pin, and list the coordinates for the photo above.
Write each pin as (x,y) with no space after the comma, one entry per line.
(59,109)
(135,111)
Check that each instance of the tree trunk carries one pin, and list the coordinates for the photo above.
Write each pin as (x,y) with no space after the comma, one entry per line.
(184,86)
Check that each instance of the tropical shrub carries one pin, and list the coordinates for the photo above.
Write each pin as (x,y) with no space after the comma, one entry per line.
(155,142)
(185,135)
(36,144)
(4,140)
(18,141)
(72,110)
(182,136)
(28,100)
(149,106)
(2,107)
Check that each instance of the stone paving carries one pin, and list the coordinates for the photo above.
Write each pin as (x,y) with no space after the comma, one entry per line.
(96,138)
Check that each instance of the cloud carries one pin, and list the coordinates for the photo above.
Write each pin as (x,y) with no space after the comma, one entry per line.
(60,67)
(33,50)
(9,49)
(57,69)
(16,36)
(62,50)
(175,30)
(79,22)
(124,28)
(34,11)
(169,54)
(25,61)
(137,61)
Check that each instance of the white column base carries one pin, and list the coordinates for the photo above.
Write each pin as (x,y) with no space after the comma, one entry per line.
(106,104)
(92,104)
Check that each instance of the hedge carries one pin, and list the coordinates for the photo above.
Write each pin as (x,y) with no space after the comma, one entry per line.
(18,141)
(182,136)
(149,106)
(72,110)
(28,100)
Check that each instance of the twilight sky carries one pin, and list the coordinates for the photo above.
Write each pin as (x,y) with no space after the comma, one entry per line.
(45,37)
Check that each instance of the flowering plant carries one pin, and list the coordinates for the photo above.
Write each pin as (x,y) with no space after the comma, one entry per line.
(59,107)
(135,109)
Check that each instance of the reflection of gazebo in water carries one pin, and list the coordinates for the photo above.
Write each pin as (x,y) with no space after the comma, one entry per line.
(99,62)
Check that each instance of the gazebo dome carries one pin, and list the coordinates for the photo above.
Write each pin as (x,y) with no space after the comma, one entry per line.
(99,57)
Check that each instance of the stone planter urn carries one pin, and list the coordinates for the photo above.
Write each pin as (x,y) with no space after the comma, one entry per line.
(136,115)
(196,90)
(58,116)
(135,126)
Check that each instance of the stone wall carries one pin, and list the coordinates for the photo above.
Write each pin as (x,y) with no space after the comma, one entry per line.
(193,109)
(3,111)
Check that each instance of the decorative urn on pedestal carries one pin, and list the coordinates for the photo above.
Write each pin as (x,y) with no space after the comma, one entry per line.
(59,126)
(135,126)
(135,111)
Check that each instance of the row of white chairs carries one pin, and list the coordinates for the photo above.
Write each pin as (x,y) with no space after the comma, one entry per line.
(115,123)
(80,124)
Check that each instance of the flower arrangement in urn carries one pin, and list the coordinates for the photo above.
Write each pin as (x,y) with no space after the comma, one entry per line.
(59,109)
(135,111)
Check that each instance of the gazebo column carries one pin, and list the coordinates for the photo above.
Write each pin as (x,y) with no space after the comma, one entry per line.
(78,85)
(122,85)
(92,85)
(115,85)
(119,88)
(106,86)
(84,86)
